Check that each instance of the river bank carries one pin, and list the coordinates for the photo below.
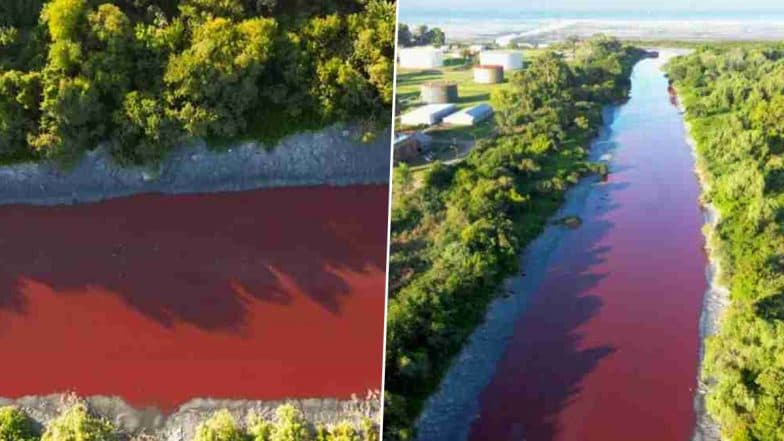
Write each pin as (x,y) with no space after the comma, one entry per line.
(153,425)
(333,156)
(715,301)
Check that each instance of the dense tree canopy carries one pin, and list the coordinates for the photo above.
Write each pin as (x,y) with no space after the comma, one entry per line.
(457,231)
(144,75)
(421,36)
(734,99)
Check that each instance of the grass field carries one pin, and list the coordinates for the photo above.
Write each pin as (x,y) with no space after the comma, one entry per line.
(450,142)
(455,70)
(470,93)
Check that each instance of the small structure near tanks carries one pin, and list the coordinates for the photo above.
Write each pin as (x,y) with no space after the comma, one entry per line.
(427,115)
(438,92)
(470,116)
(488,74)
(421,57)
(410,146)
(509,60)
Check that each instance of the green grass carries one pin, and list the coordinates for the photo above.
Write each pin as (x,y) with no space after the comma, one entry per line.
(470,93)
(455,70)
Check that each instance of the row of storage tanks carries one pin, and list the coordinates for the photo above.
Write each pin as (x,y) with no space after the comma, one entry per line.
(438,92)
(438,96)
(432,58)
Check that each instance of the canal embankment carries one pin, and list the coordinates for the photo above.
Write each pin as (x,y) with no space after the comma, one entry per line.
(334,156)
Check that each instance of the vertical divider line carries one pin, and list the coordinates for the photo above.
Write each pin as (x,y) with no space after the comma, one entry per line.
(389,219)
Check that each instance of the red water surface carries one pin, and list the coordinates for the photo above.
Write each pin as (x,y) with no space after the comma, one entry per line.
(160,299)
(608,349)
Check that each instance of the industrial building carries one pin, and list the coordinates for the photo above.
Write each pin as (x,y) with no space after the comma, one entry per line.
(410,146)
(427,115)
(470,116)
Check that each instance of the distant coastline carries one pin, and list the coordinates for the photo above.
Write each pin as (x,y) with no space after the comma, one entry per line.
(489,24)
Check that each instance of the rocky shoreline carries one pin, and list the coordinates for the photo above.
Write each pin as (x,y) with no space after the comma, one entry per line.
(333,156)
(151,424)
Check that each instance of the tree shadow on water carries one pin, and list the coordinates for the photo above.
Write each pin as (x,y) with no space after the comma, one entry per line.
(547,359)
(199,259)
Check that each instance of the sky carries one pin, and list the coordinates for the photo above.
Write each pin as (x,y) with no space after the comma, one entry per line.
(616,5)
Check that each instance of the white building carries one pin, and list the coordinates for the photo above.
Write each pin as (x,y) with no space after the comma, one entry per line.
(427,115)
(476,48)
(421,57)
(470,116)
(509,60)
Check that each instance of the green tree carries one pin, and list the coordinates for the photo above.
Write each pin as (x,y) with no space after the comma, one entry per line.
(18,110)
(213,83)
(436,37)
(290,425)
(220,427)
(16,426)
(76,424)
(66,19)
(145,129)
(404,36)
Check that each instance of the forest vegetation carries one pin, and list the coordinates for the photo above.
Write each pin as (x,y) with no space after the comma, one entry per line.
(733,97)
(143,76)
(420,36)
(77,423)
(457,229)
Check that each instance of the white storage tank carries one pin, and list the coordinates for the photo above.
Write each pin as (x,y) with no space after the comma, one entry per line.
(422,57)
(509,60)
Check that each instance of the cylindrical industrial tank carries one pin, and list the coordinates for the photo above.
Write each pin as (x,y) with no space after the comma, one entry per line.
(488,74)
(510,60)
(439,93)
(421,57)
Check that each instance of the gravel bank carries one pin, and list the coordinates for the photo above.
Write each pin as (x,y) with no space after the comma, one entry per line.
(333,156)
(715,300)
(181,425)
(714,303)
(449,412)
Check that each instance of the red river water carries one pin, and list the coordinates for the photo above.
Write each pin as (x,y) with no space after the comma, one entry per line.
(160,299)
(608,347)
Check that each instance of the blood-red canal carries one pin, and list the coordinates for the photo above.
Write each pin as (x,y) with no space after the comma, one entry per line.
(608,348)
(159,299)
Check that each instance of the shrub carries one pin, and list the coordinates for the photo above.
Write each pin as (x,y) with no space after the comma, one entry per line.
(16,426)
(220,427)
(76,424)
